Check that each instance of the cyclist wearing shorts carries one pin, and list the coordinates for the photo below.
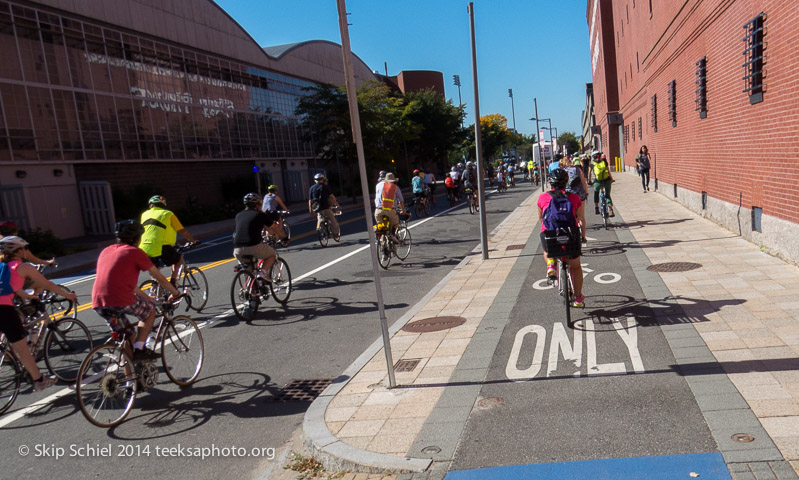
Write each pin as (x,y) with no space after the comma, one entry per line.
(511,174)
(272,203)
(558,180)
(450,184)
(470,181)
(13,250)
(430,182)
(387,196)
(417,186)
(602,179)
(578,185)
(161,228)
(320,199)
(248,236)
(115,287)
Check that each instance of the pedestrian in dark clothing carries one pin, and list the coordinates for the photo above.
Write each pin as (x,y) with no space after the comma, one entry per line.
(643,164)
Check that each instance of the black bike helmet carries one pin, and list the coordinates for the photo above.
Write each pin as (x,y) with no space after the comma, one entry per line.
(558,179)
(252,199)
(129,232)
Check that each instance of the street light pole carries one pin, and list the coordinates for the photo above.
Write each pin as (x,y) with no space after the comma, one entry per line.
(540,153)
(513,110)
(478,142)
(457,80)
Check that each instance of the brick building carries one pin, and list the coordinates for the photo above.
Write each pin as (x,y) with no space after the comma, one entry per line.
(710,86)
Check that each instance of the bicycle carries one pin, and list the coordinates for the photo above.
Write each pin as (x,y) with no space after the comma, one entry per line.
(286,227)
(603,207)
(191,281)
(57,306)
(325,231)
(65,343)
(563,246)
(502,187)
(109,379)
(421,205)
(470,200)
(451,197)
(251,286)
(398,246)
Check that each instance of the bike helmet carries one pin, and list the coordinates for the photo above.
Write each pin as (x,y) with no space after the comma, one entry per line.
(252,199)
(558,179)
(453,169)
(158,200)
(11,244)
(129,231)
(595,153)
(416,172)
(460,165)
(319,177)
(272,188)
(382,174)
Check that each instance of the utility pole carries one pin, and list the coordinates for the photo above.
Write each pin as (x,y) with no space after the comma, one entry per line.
(512,109)
(478,143)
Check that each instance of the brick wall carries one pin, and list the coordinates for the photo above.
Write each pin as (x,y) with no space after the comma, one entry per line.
(740,151)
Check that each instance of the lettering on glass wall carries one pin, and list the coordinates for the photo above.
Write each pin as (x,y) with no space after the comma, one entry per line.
(179,102)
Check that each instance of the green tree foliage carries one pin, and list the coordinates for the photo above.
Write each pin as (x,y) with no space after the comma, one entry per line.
(570,140)
(494,136)
(435,125)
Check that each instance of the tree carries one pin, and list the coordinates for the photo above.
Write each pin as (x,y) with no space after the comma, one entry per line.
(570,140)
(435,124)
(494,135)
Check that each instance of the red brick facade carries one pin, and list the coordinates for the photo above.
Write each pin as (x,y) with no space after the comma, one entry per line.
(741,153)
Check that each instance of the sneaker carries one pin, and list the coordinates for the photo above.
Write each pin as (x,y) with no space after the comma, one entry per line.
(644,190)
(596,210)
(647,187)
(585,241)
(612,213)
(579,302)
(145,355)
(45,382)
(551,272)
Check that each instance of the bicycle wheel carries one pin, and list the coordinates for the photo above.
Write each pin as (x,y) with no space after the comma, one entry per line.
(287,229)
(194,283)
(281,281)
(404,244)
(182,350)
(66,344)
(427,207)
(245,295)
(564,284)
(451,199)
(322,232)
(383,252)
(418,209)
(604,210)
(152,288)
(58,305)
(337,238)
(106,386)
(472,207)
(10,380)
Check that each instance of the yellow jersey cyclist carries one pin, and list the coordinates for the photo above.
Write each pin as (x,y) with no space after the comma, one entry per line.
(161,228)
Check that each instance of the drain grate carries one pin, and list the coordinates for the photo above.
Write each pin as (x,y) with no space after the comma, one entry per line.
(515,247)
(433,324)
(743,437)
(302,390)
(407,365)
(674,267)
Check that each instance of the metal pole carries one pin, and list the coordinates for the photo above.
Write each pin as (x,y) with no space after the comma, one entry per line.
(540,150)
(553,139)
(478,142)
(356,135)
(457,80)
(512,109)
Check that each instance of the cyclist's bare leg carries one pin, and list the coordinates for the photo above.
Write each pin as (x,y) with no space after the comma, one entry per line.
(23,353)
(144,327)
(176,270)
(576,271)
(268,262)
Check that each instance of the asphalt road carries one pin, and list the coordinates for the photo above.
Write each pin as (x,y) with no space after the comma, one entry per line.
(329,320)
(604,387)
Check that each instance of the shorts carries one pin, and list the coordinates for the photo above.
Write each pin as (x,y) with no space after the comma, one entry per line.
(169,256)
(259,250)
(11,324)
(418,196)
(273,215)
(140,308)
(432,186)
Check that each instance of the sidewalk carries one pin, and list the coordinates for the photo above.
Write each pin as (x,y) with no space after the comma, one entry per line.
(360,425)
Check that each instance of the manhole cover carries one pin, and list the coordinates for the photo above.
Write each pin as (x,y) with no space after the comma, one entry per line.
(431,450)
(406,365)
(515,247)
(302,390)
(489,402)
(674,267)
(433,324)
(743,437)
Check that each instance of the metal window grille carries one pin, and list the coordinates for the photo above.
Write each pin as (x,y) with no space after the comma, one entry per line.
(673,102)
(701,87)
(653,110)
(640,129)
(754,53)
(632,127)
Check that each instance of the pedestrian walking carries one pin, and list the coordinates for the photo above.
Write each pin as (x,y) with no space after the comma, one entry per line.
(643,164)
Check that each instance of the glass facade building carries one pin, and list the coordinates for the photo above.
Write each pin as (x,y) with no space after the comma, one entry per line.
(101,102)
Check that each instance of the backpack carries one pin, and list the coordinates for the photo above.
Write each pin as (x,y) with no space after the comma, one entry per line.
(574,178)
(601,170)
(5,280)
(316,201)
(558,215)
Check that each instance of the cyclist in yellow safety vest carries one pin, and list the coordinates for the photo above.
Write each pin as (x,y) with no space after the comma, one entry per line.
(161,227)
(387,195)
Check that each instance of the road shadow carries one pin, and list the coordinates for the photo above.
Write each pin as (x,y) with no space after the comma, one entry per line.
(309,309)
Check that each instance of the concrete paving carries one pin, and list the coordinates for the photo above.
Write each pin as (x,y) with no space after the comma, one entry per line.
(733,322)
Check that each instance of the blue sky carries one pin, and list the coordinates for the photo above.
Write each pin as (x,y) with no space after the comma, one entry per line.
(538,48)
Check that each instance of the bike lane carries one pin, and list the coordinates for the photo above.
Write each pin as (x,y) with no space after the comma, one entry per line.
(604,396)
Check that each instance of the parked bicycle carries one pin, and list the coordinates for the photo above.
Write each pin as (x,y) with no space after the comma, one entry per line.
(109,380)
(325,230)
(398,245)
(252,285)
(191,281)
(64,343)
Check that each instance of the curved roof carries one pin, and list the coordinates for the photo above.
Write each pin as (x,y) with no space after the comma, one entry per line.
(318,60)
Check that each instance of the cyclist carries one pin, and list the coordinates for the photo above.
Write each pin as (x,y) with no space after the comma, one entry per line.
(501,179)
(450,184)
(511,175)
(558,180)
(470,181)
(271,202)
(161,228)
(430,184)
(602,179)
(118,268)
(9,228)
(417,187)
(578,185)
(456,177)
(13,251)
(320,201)
(387,195)
(248,236)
